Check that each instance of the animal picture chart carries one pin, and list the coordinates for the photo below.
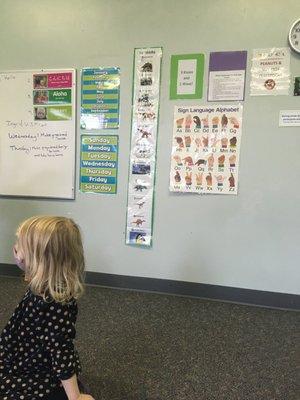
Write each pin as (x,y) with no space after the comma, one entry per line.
(37,133)
(205,149)
(144,127)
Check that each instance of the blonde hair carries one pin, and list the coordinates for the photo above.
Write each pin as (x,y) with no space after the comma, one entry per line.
(53,257)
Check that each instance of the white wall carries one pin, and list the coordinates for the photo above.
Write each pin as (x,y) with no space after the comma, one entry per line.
(249,241)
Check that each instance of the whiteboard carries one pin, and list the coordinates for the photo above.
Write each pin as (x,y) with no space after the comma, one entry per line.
(37,133)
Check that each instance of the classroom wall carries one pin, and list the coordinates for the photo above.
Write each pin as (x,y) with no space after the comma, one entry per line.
(248,241)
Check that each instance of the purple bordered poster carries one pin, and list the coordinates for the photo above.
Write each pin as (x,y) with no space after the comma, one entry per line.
(227,72)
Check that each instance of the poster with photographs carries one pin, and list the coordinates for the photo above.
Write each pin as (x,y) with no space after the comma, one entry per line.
(270,72)
(146,88)
(52,96)
(205,150)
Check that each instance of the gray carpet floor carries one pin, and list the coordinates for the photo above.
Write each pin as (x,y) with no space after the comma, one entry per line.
(144,346)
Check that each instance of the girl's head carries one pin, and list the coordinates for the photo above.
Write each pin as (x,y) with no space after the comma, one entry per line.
(52,254)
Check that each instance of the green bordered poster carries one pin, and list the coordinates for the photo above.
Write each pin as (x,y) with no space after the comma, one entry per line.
(100,96)
(186,76)
(99,164)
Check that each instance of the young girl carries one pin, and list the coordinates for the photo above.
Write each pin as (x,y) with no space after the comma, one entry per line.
(37,355)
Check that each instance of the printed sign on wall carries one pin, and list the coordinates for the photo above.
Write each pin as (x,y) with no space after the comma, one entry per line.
(52,96)
(270,73)
(100,93)
(145,109)
(227,72)
(98,164)
(205,150)
(187,76)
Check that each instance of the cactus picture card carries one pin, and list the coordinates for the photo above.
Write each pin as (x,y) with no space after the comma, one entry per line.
(186,80)
(205,149)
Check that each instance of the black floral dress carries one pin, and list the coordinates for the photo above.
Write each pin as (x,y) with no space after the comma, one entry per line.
(37,350)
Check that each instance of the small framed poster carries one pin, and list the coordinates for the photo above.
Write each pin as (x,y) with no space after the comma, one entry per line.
(186,80)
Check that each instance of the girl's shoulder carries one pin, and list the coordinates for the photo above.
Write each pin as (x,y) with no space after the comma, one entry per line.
(47,303)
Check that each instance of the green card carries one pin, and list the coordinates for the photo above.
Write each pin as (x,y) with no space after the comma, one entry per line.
(187,72)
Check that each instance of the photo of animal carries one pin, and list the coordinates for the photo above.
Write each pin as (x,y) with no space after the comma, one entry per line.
(138,222)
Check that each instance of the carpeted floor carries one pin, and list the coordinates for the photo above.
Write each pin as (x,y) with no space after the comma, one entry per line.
(138,346)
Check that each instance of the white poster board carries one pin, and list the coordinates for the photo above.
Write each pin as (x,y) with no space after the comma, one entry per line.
(37,133)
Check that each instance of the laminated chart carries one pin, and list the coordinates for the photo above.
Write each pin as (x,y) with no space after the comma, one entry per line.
(146,88)
(100,96)
(205,150)
(99,164)
(52,96)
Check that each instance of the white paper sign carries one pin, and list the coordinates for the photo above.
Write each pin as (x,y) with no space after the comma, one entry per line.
(270,73)
(226,85)
(186,79)
(289,118)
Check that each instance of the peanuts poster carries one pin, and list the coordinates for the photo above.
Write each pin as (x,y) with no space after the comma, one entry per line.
(205,149)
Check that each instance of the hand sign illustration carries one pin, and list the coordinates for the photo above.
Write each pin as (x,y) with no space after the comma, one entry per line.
(198,142)
(210,161)
(199,179)
(215,122)
(188,178)
(209,180)
(224,143)
(188,121)
(232,160)
(179,141)
(200,162)
(233,141)
(224,121)
(197,122)
(235,122)
(188,161)
(231,181)
(179,123)
(221,161)
(178,160)
(220,179)
(205,141)
(205,122)
(187,141)
(177,177)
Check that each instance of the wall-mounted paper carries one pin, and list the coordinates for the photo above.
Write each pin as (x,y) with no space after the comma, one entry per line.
(186,76)
(205,150)
(144,126)
(99,164)
(270,72)
(100,93)
(227,71)
(289,118)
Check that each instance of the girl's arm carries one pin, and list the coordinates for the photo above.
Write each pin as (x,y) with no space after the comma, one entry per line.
(71,388)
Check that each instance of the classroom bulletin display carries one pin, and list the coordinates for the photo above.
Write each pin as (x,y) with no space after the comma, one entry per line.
(100,97)
(205,150)
(37,133)
(146,89)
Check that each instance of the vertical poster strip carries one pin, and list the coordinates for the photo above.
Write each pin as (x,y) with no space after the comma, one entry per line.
(100,97)
(99,164)
(270,72)
(206,148)
(144,128)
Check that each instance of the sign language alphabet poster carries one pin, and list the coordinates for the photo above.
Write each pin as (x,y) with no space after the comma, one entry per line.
(205,149)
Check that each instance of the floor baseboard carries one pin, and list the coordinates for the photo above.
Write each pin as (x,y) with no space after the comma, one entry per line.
(252,297)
